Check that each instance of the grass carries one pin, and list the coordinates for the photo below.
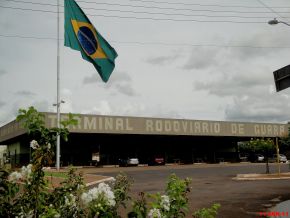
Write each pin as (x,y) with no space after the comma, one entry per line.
(56,174)
(54,178)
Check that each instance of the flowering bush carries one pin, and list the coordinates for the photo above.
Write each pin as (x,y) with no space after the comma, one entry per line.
(207,212)
(99,201)
(174,203)
(25,174)
(71,199)
(26,193)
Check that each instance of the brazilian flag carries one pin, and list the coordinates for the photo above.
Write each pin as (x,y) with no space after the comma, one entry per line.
(81,35)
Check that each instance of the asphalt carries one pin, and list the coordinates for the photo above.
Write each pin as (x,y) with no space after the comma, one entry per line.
(251,191)
(281,210)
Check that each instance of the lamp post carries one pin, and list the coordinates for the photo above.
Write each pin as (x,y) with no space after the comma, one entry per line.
(58,136)
(58,102)
(275,21)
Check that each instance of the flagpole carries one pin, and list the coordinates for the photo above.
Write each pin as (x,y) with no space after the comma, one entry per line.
(58,94)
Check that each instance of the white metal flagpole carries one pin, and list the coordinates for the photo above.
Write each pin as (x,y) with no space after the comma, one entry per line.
(57,93)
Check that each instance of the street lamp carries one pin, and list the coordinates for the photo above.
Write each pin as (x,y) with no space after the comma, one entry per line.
(62,101)
(275,21)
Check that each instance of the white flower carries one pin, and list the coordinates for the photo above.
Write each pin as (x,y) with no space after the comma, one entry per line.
(112,181)
(26,171)
(34,144)
(14,177)
(70,200)
(22,214)
(86,198)
(103,191)
(48,145)
(165,202)
(154,213)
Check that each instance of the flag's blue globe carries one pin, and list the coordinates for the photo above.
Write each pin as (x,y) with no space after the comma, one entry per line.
(87,39)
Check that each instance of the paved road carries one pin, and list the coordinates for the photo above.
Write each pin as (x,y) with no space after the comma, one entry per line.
(213,183)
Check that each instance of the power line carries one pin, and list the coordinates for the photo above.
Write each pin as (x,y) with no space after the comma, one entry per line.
(174,14)
(169,3)
(266,6)
(181,20)
(151,13)
(29,9)
(33,3)
(158,43)
(202,45)
(175,9)
(202,5)
(178,14)
(145,12)
(151,7)
(143,18)
(27,37)
(141,12)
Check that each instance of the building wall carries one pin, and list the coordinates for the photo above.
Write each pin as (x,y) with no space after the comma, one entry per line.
(114,137)
(154,126)
(158,126)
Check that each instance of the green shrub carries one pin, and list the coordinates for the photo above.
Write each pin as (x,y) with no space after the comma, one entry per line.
(207,212)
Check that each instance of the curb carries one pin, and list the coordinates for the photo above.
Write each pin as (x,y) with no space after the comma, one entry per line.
(99,181)
(255,176)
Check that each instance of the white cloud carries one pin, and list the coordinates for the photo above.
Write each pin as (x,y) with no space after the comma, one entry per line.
(178,78)
(120,82)
(25,93)
(103,108)
(202,58)
(2,72)
(275,109)
(162,60)
(94,78)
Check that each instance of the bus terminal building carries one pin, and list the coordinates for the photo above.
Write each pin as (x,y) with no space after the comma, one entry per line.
(115,137)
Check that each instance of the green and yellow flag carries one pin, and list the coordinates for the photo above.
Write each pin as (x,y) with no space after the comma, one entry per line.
(81,35)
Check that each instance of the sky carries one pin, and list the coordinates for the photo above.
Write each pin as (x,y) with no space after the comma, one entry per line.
(181,59)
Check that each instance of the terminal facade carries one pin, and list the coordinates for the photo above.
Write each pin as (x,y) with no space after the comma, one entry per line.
(109,138)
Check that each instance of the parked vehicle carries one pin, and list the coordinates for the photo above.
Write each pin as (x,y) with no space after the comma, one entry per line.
(158,160)
(256,158)
(259,157)
(282,158)
(243,157)
(128,162)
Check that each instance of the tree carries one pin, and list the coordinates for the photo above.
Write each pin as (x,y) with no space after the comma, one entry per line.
(263,146)
(33,122)
(25,193)
(285,141)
